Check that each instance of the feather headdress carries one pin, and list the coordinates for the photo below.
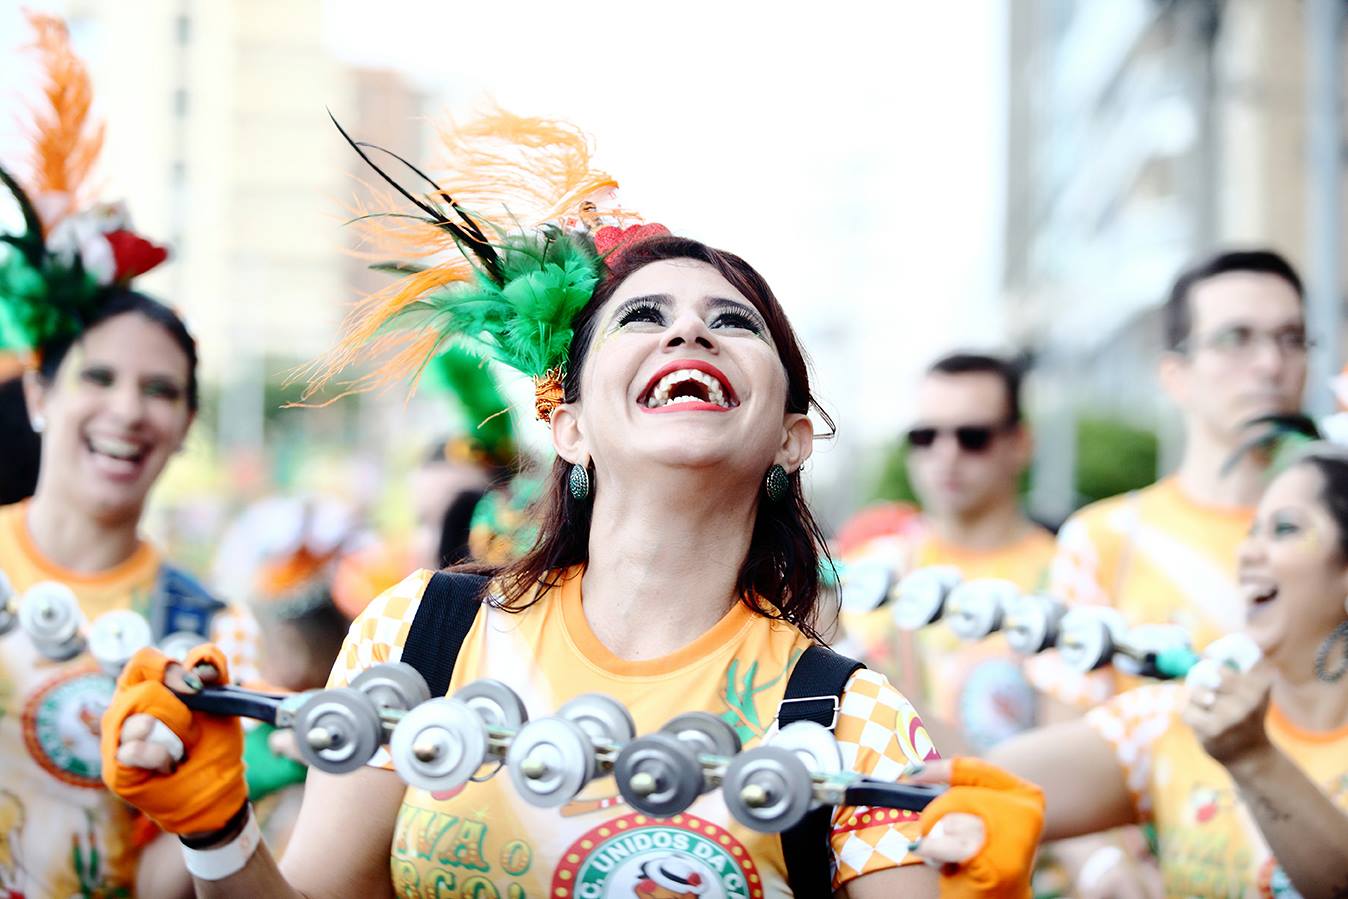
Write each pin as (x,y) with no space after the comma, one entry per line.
(55,271)
(499,255)
(490,435)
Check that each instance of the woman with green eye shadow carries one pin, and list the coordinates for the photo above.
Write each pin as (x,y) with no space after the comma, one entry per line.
(1247,783)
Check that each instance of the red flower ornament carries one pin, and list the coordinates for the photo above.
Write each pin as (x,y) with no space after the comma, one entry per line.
(133,255)
(611,242)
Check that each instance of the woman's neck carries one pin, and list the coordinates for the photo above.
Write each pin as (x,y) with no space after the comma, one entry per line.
(77,541)
(1310,703)
(665,557)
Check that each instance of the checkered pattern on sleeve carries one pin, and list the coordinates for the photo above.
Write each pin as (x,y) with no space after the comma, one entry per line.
(1132,722)
(880,735)
(377,635)
(235,631)
(1074,577)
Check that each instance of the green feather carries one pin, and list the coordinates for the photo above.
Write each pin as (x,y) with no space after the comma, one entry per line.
(486,411)
(546,278)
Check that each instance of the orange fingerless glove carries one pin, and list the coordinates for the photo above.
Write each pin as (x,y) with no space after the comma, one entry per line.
(1012,811)
(206,788)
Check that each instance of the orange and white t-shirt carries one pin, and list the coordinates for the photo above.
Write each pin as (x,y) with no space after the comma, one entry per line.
(980,686)
(1209,844)
(1157,557)
(485,840)
(61,832)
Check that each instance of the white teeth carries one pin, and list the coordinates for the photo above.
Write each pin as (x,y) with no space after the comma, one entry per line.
(117,449)
(660,394)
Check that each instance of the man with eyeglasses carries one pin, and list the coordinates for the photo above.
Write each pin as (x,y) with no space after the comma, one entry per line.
(967,451)
(1236,347)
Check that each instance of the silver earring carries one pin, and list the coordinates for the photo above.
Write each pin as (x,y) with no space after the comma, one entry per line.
(579,483)
(1322,672)
(38,422)
(776,483)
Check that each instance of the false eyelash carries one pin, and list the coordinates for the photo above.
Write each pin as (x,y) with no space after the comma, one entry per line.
(741,320)
(627,315)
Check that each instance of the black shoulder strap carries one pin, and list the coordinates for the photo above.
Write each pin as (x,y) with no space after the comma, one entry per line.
(813,694)
(448,607)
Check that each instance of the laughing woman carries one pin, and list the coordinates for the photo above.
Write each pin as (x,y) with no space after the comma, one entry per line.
(1247,783)
(113,392)
(676,570)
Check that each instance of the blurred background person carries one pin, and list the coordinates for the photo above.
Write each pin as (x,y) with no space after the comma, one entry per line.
(1236,350)
(113,394)
(968,449)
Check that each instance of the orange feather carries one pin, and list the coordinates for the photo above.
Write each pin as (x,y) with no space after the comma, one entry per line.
(508,172)
(66,142)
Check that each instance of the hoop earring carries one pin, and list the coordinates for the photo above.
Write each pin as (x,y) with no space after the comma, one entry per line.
(1322,671)
(776,484)
(578,482)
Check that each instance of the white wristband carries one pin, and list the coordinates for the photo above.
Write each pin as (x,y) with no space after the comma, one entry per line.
(223,861)
(1098,864)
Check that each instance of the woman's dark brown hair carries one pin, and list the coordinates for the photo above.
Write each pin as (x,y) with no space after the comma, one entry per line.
(779,578)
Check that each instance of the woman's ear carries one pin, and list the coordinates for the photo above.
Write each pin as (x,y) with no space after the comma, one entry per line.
(35,391)
(797,442)
(567,438)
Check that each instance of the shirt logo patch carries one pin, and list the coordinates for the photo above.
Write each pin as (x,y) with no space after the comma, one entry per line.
(61,725)
(636,857)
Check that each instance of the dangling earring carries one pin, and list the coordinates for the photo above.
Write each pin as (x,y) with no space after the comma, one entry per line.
(579,483)
(1322,656)
(38,422)
(776,484)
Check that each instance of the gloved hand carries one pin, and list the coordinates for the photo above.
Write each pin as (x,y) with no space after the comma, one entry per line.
(983,832)
(183,769)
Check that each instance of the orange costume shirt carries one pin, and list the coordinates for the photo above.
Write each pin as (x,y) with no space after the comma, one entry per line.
(484,840)
(1209,844)
(979,687)
(1159,558)
(61,833)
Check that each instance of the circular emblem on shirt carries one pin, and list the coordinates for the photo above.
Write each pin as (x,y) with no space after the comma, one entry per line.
(996,702)
(636,857)
(61,725)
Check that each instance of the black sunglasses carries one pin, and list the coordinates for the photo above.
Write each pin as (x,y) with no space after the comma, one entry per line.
(971,438)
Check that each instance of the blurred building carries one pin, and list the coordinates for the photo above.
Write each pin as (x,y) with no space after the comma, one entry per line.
(1141,134)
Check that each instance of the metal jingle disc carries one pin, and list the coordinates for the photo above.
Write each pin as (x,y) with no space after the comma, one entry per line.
(864,585)
(50,614)
(812,743)
(116,636)
(1088,637)
(659,775)
(768,789)
(179,643)
(438,745)
(550,761)
(1031,623)
(495,703)
(919,599)
(975,608)
(602,717)
(392,685)
(338,730)
(704,732)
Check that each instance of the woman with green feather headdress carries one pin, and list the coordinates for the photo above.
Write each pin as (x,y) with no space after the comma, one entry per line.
(676,569)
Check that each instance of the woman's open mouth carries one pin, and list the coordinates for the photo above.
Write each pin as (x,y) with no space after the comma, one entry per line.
(115,457)
(1259,594)
(688,386)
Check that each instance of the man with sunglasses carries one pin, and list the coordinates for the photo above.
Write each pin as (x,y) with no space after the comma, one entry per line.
(967,450)
(1236,348)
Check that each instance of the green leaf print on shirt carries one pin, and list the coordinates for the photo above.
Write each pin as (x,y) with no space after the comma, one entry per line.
(741,698)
